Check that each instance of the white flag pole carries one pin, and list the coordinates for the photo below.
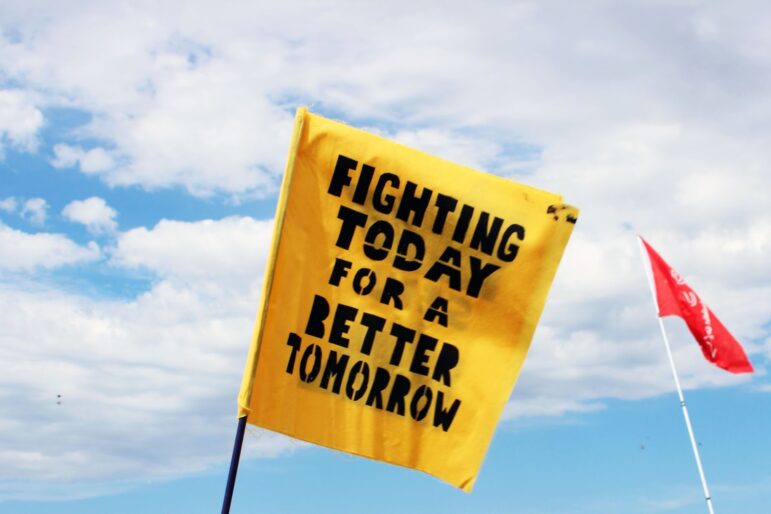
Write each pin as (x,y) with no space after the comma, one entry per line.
(649,274)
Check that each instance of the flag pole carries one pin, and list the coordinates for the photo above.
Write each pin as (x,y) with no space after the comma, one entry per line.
(677,382)
(234,465)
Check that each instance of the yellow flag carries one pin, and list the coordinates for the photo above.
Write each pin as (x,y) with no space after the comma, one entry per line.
(401,295)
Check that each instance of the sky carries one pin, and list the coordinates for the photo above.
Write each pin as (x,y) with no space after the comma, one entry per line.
(142,146)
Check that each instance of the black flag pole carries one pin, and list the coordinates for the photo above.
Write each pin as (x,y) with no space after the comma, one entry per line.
(234,465)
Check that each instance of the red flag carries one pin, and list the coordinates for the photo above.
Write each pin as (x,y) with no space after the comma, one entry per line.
(675,298)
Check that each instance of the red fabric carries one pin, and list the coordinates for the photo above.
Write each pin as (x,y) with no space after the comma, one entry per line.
(675,298)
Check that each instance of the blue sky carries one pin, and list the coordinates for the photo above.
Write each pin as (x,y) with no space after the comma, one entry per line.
(141,149)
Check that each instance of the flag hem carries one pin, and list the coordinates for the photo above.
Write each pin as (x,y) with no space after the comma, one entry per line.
(245,394)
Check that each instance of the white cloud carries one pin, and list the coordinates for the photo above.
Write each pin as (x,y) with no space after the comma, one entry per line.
(94,213)
(8,204)
(208,108)
(66,156)
(472,151)
(35,210)
(95,160)
(226,252)
(148,386)
(20,121)
(145,401)
(241,152)
(20,251)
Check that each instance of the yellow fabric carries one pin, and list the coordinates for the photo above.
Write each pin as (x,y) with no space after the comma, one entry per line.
(401,295)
